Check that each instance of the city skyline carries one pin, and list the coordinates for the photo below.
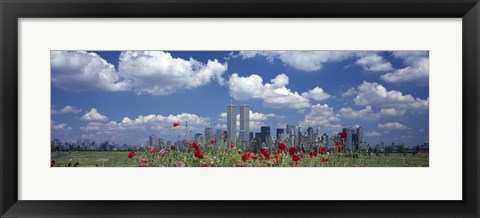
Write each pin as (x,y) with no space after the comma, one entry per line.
(134,95)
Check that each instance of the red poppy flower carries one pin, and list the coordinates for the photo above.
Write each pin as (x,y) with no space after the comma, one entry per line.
(152,150)
(205,165)
(131,154)
(247,156)
(277,157)
(324,159)
(281,146)
(212,165)
(339,143)
(312,153)
(53,162)
(295,158)
(198,154)
(263,151)
(172,147)
(343,135)
(265,156)
(292,150)
(195,146)
(323,150)
(175,124)
(302,156)
(213,141)
(232,145)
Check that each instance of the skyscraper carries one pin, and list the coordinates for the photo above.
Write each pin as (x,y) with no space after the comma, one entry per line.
(290,130)
(310,133)
(279,133)
(244,123)
(265,133)
(325,139)
(251,136)
(360,136)
(231,122)
(208,134)
(349,140)
(152,141)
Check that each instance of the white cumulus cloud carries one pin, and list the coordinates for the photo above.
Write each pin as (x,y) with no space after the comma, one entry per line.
(417,68)
(144,72)
(274,94)
(94,115)
(373,134)
(80,70)
(158,73)
(374,63)
(377,95)
(391,126)
(67,109)
(316,94)
(300,60)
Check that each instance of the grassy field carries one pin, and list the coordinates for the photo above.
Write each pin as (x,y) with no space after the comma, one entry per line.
(232,158)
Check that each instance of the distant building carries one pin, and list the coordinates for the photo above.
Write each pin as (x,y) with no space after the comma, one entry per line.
(152,141)
(258,135)
(290,130)
(251,136)
(244,123)
(265,132)
(360,136)
(325,139)
(349,140)
(198,137)
(231,122)
(310,133)
(280,132)
(208,133)
(219,134)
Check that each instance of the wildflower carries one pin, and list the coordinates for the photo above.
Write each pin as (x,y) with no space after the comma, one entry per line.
(180,164)
(205,165)
(198,154)
(131,154)
(281,146)
(312,153)
(324,160)
(175,124)
(263,151)
(162,152)
(52,163)
(212,165)
(142,160)
(265,156)
(232,145)
(213,141)
(323,150)
(195,146)
(302,156)
(172,148)
(96,165)
(292,150)
(295,157)
(152,150)
(247,156)
(343,135)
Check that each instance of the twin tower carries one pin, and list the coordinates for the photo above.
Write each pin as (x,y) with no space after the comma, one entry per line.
(243,135)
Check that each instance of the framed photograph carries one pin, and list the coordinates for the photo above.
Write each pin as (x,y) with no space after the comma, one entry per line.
(226,108)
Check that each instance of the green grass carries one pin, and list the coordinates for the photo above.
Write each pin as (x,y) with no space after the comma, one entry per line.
(231,158)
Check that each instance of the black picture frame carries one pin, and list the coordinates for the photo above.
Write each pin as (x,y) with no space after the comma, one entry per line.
(12,10)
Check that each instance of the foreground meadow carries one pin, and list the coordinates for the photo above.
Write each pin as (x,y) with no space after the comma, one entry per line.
(207,156)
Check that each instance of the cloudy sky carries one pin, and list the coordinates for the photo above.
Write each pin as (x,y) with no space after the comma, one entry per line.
(125,96)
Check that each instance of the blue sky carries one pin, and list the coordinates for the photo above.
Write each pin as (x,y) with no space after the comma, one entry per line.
(125,96)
